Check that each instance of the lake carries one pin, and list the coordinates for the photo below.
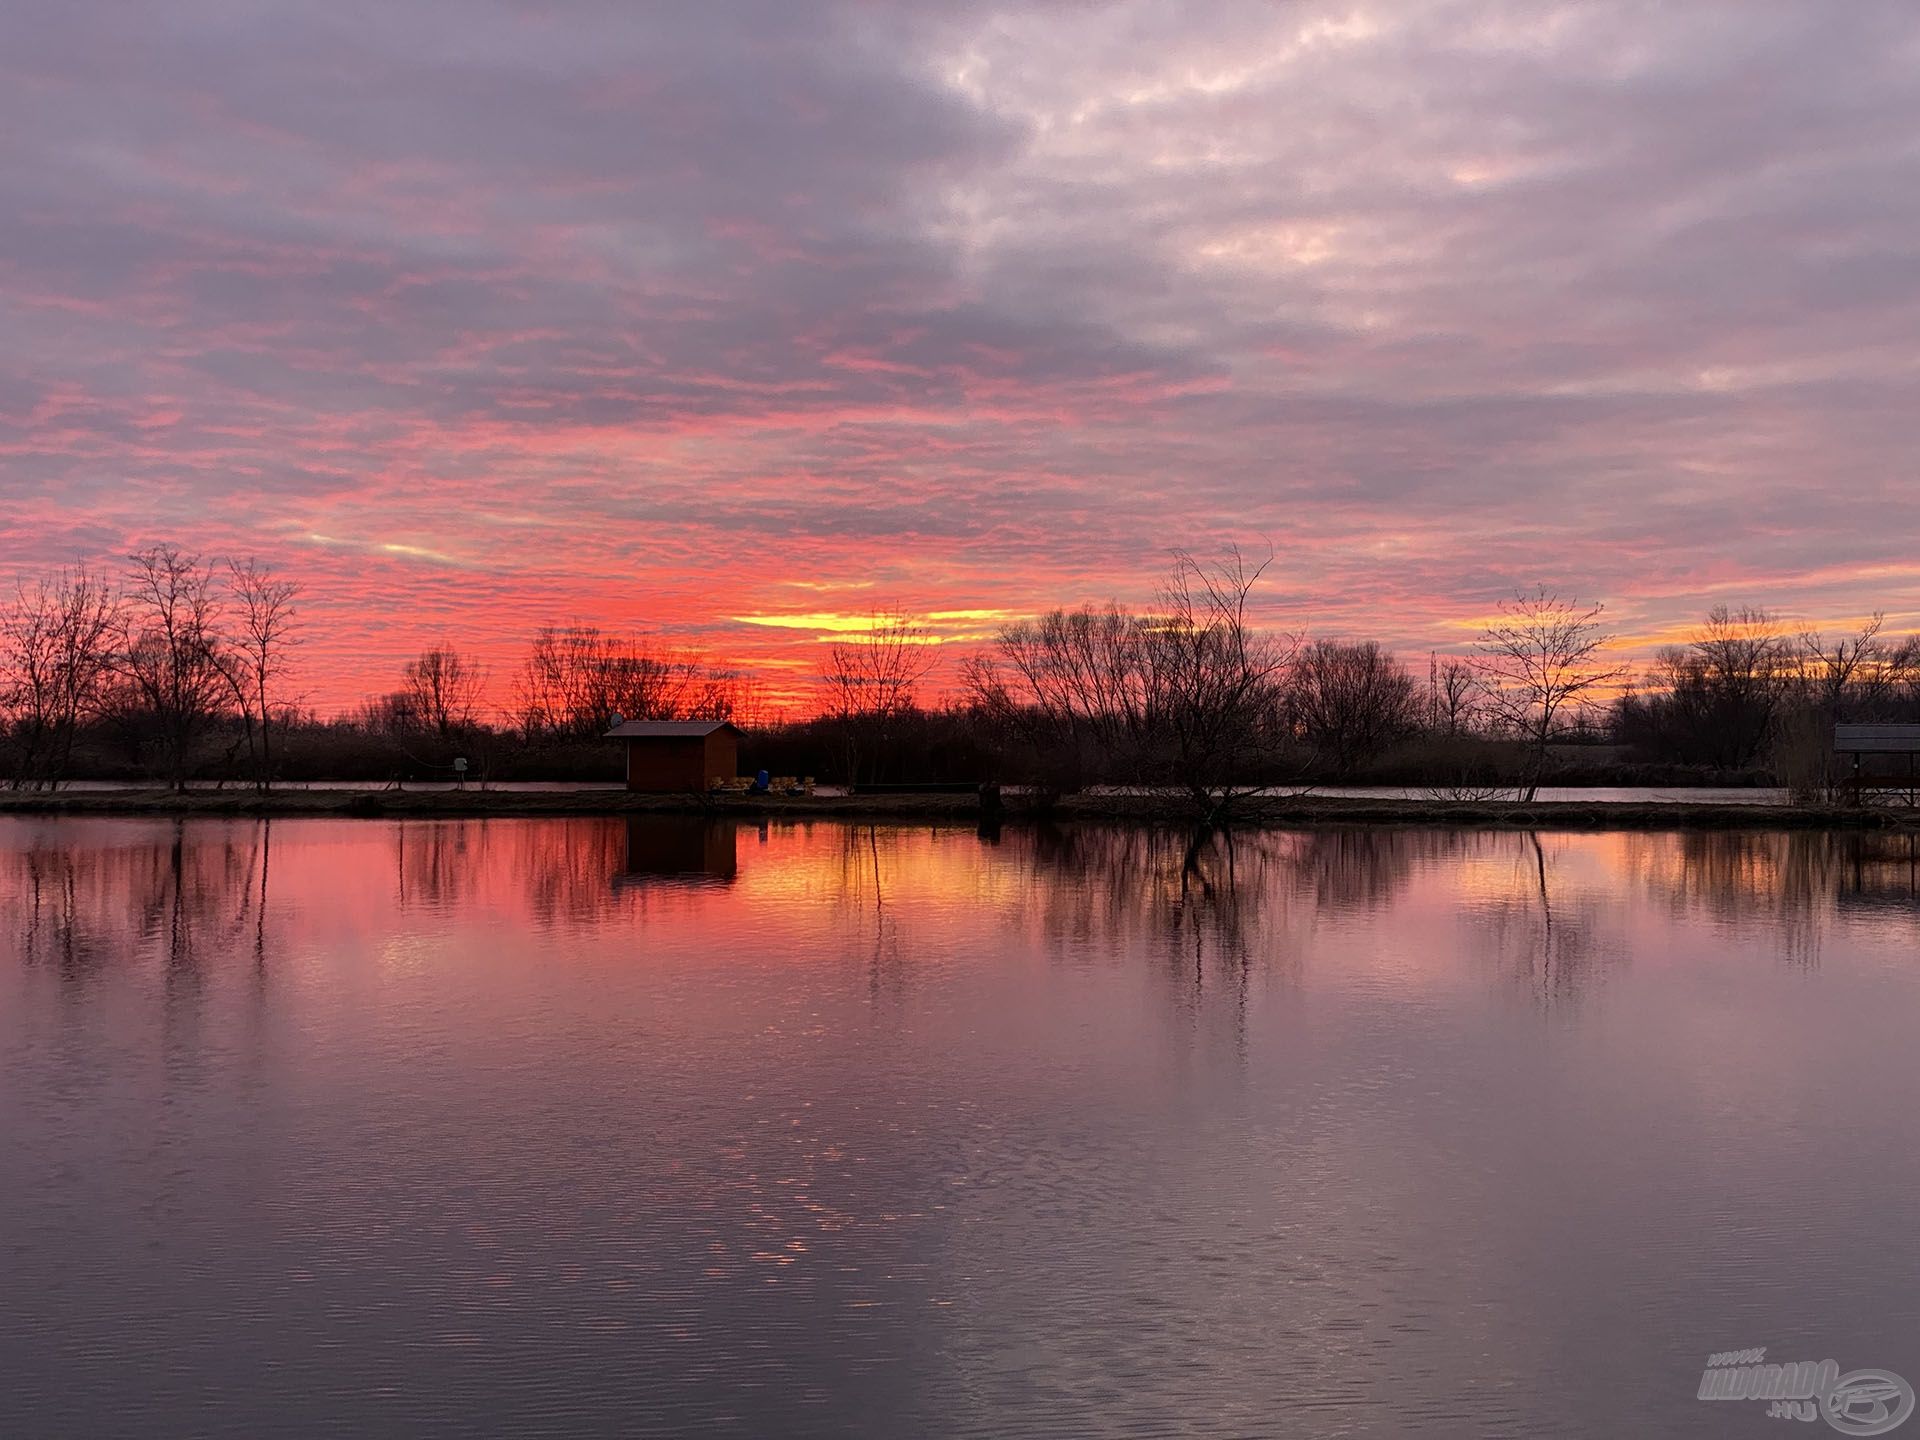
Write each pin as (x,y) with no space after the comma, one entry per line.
(608,1127)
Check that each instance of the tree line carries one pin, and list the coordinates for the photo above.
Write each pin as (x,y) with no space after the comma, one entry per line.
(155,660)
(575,683)
(181,668)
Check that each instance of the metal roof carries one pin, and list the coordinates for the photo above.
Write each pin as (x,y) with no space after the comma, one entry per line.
(1877,739)
(668,729)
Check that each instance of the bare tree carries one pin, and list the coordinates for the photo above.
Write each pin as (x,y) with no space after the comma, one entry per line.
(554,678)
(171,657)
(1453,695)
(1745,649)
(878,670)
(267,625)
(1187,696)
(56,648)
(1718,699)
(1858,676)
(1540,659)
(723,695)
(391,714)
(442,691)
(1744,660)
(1351,701)
(1833,671)
(1070,688)
(1216,681)
(872,680)
(576,681)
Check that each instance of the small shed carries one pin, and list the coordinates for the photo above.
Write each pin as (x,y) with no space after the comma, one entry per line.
(677,757)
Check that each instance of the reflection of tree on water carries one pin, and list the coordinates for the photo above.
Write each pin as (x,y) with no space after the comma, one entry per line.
(260,905)
(437,862)
(1212,905)
(1218,911)
(1362,868)
(1569,954)
(190,892)
(54,928)
(1542,932)
(862,888)
(1783,887)
(1217,902)
(1102,886)
(1220,890)
(1736,874)
(1225,884)
(1193,902)
(1551,939)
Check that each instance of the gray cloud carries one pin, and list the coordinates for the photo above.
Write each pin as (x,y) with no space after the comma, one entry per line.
(1619,293)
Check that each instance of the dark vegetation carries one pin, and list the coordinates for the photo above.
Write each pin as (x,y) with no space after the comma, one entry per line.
(1291,809)
(180,670)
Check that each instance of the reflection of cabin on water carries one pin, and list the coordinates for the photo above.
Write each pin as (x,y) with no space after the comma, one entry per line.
(678,757)
(671,848)
(1886,760)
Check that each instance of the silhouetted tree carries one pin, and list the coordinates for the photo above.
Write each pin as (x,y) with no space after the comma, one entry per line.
(266,625)
(1453,695)
(871,680)
(1539,660)
(1189,695)
(1862,676)
(171,659)
(1351,701)
(56,651)
(1717,699)
(1069,690)
(442,691)
(577,683)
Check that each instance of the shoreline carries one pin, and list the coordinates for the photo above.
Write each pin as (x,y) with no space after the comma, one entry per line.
(1265,812)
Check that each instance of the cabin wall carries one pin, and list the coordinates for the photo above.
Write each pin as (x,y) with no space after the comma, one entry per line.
(723,756)
(676,766)
(681,764)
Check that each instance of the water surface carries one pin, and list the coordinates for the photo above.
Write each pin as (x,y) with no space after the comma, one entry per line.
(599,1127)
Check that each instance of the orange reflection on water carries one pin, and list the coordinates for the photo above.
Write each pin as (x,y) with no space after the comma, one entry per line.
(83,891)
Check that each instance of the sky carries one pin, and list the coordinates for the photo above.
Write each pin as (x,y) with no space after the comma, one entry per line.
(731,324)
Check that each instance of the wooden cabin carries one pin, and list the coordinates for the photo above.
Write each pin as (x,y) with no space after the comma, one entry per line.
(678,757)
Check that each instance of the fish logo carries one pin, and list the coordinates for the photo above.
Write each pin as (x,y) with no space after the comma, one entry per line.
(1867,1402)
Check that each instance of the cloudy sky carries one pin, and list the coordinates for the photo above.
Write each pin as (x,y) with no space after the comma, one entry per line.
(727,322)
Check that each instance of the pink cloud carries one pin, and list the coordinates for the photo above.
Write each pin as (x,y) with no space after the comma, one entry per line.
(473,322)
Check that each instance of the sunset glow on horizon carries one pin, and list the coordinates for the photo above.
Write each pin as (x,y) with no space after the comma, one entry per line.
(731,327)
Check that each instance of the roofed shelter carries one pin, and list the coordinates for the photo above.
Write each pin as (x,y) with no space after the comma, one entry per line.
(678,757)
(1868,744)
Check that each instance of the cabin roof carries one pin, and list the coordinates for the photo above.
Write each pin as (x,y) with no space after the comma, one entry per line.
(669,729)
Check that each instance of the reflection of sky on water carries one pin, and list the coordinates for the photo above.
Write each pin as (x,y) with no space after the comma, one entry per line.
(579,1127)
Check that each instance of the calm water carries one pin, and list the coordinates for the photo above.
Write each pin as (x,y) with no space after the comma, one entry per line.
(1579,794)
(571,1128)
(1585,794)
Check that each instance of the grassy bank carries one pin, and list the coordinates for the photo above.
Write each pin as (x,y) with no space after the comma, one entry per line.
(1273,811)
